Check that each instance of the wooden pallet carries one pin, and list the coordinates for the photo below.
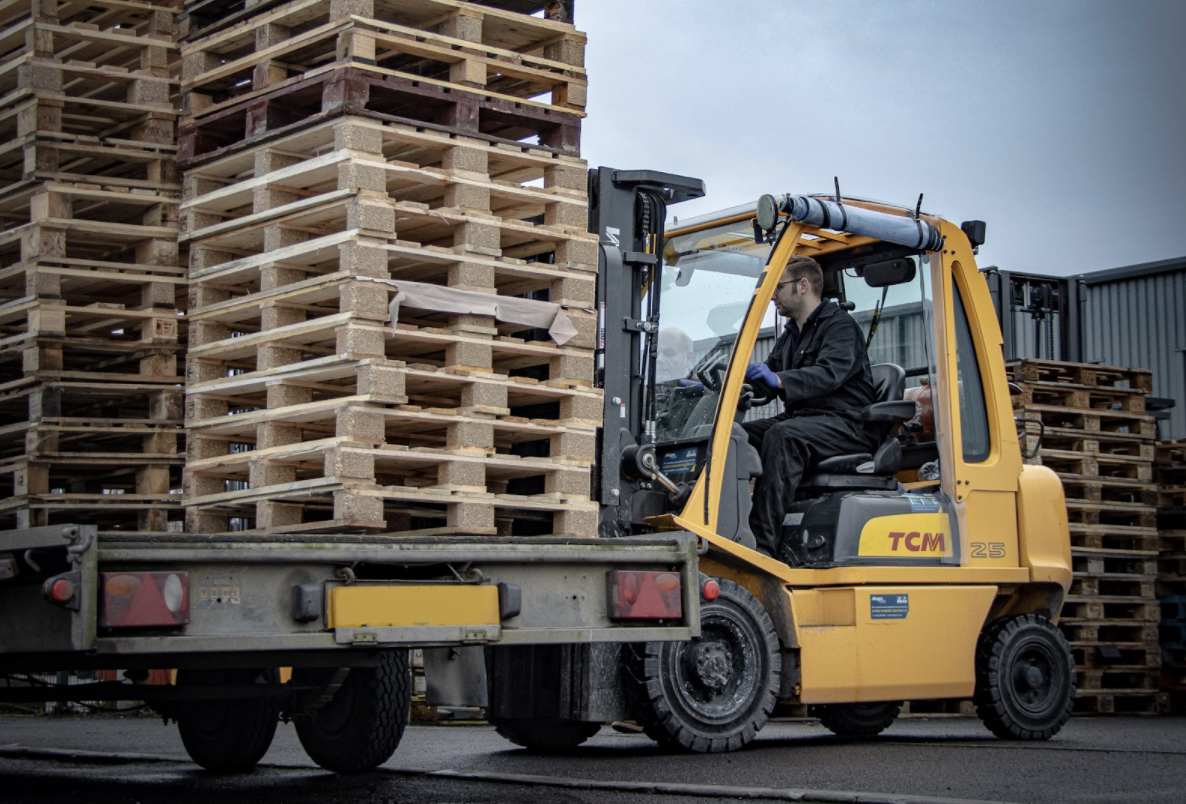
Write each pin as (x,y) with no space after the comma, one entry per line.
(1031,370)
(326,189)
(1171,452)
(1127,515)
(1114,563)
(1113,588)
(500,22)
(1113,537)
(1071,440)
(1120,702)
(331,380)
(1112,422)
(211,81)
(87,83)
(1145,678)
(146,47)
(79,127)
(355,90)
(1093,609)
(132,15)
(1092,488)
(331,505)
(1081,397)
(1104,466)
(1094,633)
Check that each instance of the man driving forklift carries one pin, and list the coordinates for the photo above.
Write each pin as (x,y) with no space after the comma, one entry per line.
(820,369)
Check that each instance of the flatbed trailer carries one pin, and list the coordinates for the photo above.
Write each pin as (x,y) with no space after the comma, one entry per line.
(226,612)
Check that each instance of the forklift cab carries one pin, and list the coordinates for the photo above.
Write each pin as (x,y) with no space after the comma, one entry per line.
(710,269)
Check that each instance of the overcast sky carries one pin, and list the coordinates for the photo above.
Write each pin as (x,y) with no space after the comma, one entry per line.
(1062,123)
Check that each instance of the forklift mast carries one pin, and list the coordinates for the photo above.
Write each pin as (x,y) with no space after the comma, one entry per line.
(627,210)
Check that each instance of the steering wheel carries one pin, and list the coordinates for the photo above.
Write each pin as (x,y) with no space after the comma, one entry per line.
(712,374)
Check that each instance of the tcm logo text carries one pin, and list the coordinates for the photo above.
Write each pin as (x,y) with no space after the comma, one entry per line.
(917,542)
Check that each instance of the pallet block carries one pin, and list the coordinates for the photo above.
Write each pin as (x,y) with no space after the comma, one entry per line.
(285,43)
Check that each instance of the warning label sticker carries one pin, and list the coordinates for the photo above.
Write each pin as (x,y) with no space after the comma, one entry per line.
(889,607)
(680,461)
(922,503)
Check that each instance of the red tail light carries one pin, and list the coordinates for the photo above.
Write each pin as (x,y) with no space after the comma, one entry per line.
(636,595)
(141,599)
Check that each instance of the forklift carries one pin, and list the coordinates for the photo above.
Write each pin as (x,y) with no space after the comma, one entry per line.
(934,567)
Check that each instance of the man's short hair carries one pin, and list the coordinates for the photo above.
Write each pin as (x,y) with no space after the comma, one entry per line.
(801,267)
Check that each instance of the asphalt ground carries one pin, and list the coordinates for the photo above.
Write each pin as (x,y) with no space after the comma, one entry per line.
(105,758)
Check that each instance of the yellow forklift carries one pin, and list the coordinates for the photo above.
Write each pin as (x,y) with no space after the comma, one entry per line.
(933,568)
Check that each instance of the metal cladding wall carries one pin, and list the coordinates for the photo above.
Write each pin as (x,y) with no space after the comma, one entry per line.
(1136,317)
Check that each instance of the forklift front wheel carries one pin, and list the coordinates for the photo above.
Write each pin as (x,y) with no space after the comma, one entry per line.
(714,693)
(1025,678)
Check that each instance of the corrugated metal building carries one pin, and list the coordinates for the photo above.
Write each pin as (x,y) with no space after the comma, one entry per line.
(1136,317)
(1133,317)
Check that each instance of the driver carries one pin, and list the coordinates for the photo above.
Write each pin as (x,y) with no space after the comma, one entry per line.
(820,369)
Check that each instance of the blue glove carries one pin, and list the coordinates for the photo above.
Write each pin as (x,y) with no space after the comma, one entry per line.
(760,371)
(685,383)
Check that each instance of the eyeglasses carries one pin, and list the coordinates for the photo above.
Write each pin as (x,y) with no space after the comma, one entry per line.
(782,285)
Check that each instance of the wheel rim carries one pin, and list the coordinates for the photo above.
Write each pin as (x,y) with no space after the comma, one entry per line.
(716,676)
(1033,678)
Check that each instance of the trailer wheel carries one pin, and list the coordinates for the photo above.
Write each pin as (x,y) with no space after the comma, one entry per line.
(857,720)
(228,736)
(710,694)
(546,736)
(361,726)
(1025,678)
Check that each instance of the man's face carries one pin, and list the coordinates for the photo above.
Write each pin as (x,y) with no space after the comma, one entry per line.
(788,297)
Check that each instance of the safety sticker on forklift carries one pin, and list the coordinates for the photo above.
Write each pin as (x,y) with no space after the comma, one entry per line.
(680,461)
(922,503)
(889,607)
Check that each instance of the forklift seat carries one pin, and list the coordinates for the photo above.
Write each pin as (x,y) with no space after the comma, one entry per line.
(862,470)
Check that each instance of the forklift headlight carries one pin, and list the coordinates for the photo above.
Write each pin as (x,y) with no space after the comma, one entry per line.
(767,212)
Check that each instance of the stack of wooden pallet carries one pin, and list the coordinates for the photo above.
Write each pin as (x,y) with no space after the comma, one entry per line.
(364,179)
(1170,473)
(1101,443)
(90,400)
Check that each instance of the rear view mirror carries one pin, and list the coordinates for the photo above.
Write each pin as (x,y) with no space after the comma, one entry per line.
(889,272)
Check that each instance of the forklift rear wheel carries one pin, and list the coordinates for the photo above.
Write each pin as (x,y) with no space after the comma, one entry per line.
(1025,678)
(857,720)
(228,736)
(361,726)
(714,693)
(546,736)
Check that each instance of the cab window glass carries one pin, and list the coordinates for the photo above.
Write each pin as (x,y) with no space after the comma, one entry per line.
(973,412)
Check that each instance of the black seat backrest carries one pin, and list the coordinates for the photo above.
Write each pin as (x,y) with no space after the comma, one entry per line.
(889,381)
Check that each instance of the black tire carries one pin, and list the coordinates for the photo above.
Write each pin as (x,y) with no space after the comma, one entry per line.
(710,694)
(546,736)
(361,726)
(228,736)
(857,721)
(1025,678)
